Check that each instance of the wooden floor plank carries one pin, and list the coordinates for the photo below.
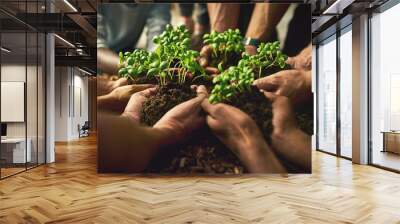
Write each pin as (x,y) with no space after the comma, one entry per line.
(71,191)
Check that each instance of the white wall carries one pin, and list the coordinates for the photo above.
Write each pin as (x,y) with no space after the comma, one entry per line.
(71,93)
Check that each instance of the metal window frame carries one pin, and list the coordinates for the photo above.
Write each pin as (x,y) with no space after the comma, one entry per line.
(339,32)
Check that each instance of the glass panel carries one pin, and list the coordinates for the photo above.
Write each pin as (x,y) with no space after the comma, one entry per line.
(13,86)
(32,98)
(41,99)
(346,94)
(327,96)
(385,84)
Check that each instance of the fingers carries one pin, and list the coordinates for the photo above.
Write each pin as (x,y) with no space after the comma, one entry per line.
(205,55)
(213,123)
(271,96)
(208,107)
(141,87)
(121,82)
(148,92)
(291,61)
(267,83)
(211,70)
(201,90)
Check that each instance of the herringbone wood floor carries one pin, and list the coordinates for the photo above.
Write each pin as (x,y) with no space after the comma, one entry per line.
(70,191)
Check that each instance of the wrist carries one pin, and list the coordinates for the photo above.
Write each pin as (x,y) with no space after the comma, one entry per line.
(249,41)
(167,133)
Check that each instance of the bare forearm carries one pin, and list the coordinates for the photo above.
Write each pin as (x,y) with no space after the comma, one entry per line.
(124,146)
(223,16)
(294,146)
(258,157)
(264,20)
(107,103)
(107,61)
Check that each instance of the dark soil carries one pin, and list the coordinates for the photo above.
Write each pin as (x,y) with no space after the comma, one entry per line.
(202,152)
(166,98)
(257,107)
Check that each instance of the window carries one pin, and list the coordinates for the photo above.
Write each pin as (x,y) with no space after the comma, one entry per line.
(346,74)
(327,95)
(385,89)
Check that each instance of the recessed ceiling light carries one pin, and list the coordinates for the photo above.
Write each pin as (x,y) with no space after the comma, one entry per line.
(5,50)
(70,5)
(84,71)
(64,40)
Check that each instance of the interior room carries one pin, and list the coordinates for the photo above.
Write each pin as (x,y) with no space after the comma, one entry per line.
(51,87)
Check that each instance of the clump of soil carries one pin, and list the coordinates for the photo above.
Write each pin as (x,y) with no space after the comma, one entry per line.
(202,152)
(167,97)
(258,107)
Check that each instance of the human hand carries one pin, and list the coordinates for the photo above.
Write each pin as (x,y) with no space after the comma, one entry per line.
(303,60)
(295,84)
(241,134)
(117,99)
(284,119)
(106,84)
(135,104)
(287,139)
(204,60)
(250,49)
(182,119)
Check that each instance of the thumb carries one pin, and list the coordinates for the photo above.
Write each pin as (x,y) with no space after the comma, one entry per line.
(291,61)
(266,84)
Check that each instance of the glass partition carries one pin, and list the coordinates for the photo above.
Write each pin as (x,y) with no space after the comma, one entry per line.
(346,95)
(22,88)
(326,77)
(15,150)
(385,89)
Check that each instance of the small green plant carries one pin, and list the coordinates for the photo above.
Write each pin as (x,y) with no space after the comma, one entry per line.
(268,56)
(232,81)
(173,51)
(239,78)
(224,45)
(133,64)
(171,57)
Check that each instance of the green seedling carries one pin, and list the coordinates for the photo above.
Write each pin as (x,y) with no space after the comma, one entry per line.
(231,82)
(133,64)
(268,56)
(240,78)
(171,57)
(173,51)
(223,45)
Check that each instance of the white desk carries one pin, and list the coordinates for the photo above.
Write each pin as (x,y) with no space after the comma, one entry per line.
(17,147)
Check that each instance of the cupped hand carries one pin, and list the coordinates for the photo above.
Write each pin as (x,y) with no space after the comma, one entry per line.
(122,94)
(287,139)
(134,107)
(295,84)
(283,119)
(182,119)
(303,60)
(117,99)
(106,84)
